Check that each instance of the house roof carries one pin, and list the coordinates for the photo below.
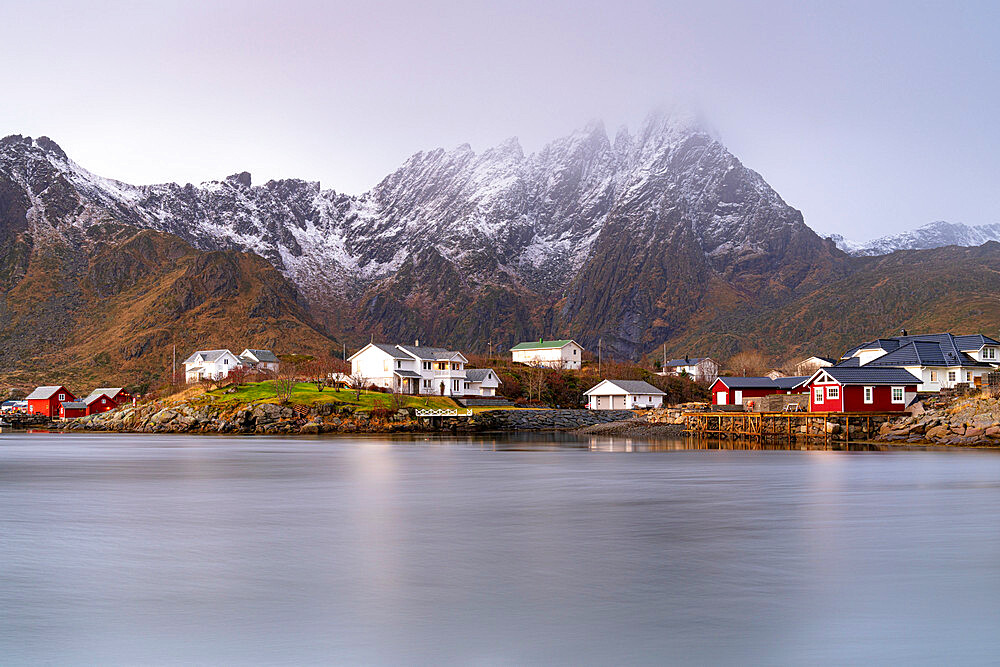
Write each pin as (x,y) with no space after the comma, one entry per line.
(748,382)
(544,344)
(97,393)
(479,374)
(407,374)
(790,382)
(949,342)
(210,356)
(629,387)
(693,361)
(41,393)
(426,352)
(265,356)
(828,360)
(867,375)
(927,353)
(74,405)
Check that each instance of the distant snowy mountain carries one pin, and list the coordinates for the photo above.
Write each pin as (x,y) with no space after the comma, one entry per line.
(932,235)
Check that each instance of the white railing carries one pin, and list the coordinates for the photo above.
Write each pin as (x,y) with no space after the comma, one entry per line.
(437,413)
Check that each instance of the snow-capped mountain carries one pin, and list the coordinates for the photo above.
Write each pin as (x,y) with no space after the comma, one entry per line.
(617,238)
(932,235)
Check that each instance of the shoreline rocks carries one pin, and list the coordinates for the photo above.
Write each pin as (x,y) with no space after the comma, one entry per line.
(965,422)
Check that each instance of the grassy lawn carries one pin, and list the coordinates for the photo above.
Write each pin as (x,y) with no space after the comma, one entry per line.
(306,394)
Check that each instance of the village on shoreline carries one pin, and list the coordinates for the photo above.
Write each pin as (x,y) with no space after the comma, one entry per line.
(934,388)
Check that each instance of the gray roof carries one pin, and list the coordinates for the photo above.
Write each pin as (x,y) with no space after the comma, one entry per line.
(210,355)
(264,355)
(790,382)
(407,374)
(97,393)
(479,374)
(693,361)
(77,405)
(869,376)
(633,387)
(948,342)
(43,392)
(427,352)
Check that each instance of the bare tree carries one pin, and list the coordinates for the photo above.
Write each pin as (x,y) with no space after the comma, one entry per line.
(239,375)
(358,382)
(284,382)
(749,362)
(536,382)
(319,372)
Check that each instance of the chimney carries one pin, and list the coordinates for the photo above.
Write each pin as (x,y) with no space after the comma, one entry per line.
(903,332)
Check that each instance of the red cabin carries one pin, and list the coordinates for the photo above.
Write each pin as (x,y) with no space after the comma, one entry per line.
(860,389)
(106,398)
(47,400)
(72,409)
(732,390)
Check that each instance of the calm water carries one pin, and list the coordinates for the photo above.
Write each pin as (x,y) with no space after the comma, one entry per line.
(133,549)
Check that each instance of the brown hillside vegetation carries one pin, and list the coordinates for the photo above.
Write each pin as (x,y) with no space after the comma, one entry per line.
(111,314)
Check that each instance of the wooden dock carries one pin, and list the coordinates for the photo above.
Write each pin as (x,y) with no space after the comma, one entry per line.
(786,425)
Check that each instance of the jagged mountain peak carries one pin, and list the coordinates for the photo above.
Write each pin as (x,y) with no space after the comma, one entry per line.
(935,234)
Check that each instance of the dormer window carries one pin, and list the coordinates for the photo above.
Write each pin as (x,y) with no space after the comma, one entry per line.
(989,353)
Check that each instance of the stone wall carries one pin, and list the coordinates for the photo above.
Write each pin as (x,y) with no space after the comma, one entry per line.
(539,420)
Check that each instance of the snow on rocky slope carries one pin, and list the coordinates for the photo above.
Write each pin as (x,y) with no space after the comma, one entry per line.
(932,235)
(584,205)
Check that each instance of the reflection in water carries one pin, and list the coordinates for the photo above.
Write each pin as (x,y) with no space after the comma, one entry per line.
(524,549)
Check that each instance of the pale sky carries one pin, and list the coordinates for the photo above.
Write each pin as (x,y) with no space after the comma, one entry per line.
(870,117)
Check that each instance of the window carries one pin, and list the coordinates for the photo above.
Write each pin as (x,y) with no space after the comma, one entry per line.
(225,362)
(399,364)
(968,376)
(897,394)
(574,351)
(62,397)
(818,394)
(989,353)
(933,376)
(951,376)
(869,394)
(427,365)
(833,393)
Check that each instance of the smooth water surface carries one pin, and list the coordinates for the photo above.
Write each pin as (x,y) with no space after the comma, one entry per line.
(520,550)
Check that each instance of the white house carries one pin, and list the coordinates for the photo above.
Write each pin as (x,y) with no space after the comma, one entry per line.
(551,353)
(481,382)
(699,369)
(411,369)
(262,360)
(210,365)
(939,361)
(623,395)
(812,364)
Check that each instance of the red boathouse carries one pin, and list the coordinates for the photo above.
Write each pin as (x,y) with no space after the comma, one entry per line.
(106,398)
(861,389)
(47,400)
(71,409)
(732,390)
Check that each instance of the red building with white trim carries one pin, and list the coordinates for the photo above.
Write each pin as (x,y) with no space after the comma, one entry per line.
(733,390)
(47,400)
(106,398)
(861,389)
(72,409)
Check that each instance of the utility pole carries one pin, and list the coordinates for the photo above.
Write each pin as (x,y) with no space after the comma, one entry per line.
(345,351)
(600,341)
(173,368)
(664,367)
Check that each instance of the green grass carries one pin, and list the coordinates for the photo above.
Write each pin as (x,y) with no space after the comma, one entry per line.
(306,394)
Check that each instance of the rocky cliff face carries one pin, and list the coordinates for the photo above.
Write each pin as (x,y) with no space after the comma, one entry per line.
(631,239)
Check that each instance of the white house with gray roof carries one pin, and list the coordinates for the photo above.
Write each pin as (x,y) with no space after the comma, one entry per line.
(623,395)
(210,365)
(262,360)
(411,369)
(481,382)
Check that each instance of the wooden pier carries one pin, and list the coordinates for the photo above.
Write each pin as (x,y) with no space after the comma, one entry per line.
(786,425)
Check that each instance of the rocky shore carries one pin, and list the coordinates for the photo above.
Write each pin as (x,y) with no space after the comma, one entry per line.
(270,418)
(970,422)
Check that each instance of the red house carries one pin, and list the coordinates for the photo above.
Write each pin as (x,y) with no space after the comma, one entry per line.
(47,400)
(861,389)
(106,398)
(732,390)
(71,409)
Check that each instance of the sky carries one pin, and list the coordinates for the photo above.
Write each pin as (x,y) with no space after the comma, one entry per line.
(870,117)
